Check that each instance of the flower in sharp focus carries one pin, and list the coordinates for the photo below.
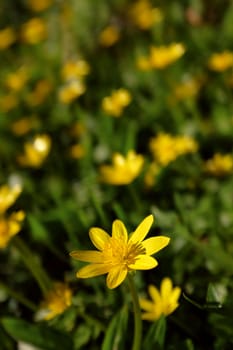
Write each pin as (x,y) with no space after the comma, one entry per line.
(162,302)
(10,226)
(116,102)
(35,152)
(7,38)
(123,169)
(119,254)
(8,196)
(57,300)
(220,62)
(219,165)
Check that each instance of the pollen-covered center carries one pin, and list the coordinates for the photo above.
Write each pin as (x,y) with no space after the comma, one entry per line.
(118,252)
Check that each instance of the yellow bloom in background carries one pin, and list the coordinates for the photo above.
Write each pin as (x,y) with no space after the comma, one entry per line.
(143,15)
(57,300)
(22,126)
(123,169)
(41,91)
(15,81)
(71,91)
(188,88)
(10,226)
(109,36)
(119,254)
(151,174)
(166,148)
(116,102)
(35,152)
(8,196)
(219,165)
(33,31)
(220,62)
(40,5)
(7,38)
(77,151)
(163,302)
(75,69)
(8,102)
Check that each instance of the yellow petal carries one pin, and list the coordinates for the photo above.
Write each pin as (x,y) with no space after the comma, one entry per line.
(92,270)
(146,305)
(144,262)
(116,276)
(175,294)
(143,228)
(154,244)
(151,316)
(87,255)
(119,231)
(99,237)
(154,294)
(166,288)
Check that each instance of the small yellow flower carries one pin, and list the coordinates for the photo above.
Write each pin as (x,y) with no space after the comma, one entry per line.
(41,91)
(8,196)
(77,151)
(7,38)
(151,173)
(33,31)
(75,69)
(8,102)
(39,6)
(143,15)
(220,62)
(10,226)
(22,126)
(116,102)
(119,254)
(123,169)
(109,36)
(188,88)
(35,152)
(71,91)
(220,165)
(164,302)
(16,81)
(57,300)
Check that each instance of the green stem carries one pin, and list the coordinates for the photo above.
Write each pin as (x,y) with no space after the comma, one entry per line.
(18,297)
(137,315)
(33,265)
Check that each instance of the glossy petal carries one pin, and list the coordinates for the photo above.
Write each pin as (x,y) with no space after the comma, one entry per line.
(144,262)
(143,228)
(154,294)
(175,294)
(91,256)
(116,276)
(99,237)
(146,305)
(166,288)
(92,270)
(154,244)
(119,231)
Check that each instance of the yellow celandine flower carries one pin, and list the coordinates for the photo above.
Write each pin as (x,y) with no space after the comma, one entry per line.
(220,165)
(162,56)
(119,254)
(33,31)
(8,102)
(22,126)
(10,226)
(57,300)
(109,36)
(220,62)
(123,169)
(188,88)
(7,38)
(39,6)
(40,93)
(75,69)
(143,15)
(8,196)
(151,173)
(116,102)
(166,148)
(35,152)
(16,81)
(164,302)
(77,151)
(71,91)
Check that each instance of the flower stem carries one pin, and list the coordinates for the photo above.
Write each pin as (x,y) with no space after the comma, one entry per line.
(137,315)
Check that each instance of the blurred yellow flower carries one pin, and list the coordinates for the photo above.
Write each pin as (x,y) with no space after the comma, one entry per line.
(187,88)
(7,38)
(166,148)
(33,31)
(109,36)
(123,169)
(164,302)
(116,102)
(8,102)
(40,92)
(119,254)
(15,81)
(77,151)
(40,5)
(57,300)
(75,69)
(151,173)
(8,196)
(35,152)
(10,226)
(22,126)
(72,90)
(220,62)
(144,15)
(219,165)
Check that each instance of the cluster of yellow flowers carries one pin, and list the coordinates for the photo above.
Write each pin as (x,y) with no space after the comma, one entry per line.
(10,225)
(115,103)
(143,15)
(220,62)
(219,165)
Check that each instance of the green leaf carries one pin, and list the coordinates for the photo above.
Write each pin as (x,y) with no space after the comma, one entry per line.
(116,332)
(39,335)
(155,337)
(6,341)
